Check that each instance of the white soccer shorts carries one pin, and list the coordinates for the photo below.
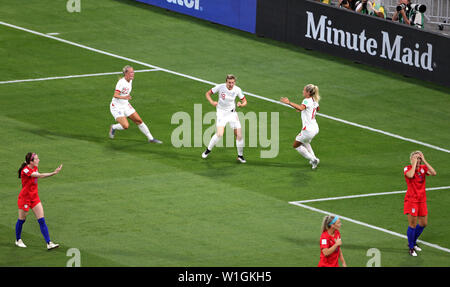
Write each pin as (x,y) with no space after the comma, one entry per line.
(121,111)
(224,117)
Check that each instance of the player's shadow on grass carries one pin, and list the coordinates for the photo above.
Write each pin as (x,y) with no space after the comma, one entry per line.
(302,241)
(51,135)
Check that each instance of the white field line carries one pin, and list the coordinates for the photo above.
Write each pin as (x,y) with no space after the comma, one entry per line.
(371,226)
(364,195)
(72,76)
(213,84)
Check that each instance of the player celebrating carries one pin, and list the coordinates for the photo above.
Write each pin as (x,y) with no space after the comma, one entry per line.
(226,113)
(330,243)
(121,109)
(29,198)
(308,108)
(415,205)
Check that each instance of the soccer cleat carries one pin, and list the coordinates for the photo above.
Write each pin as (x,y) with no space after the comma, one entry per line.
(417,248)
(241,159)
(205,153)
(52,245)
(20,243)
(412,252)
(315,163)
(156,141)
(111,132)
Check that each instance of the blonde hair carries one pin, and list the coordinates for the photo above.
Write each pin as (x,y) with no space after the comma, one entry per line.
(125,69)
(313,92)
(326,222)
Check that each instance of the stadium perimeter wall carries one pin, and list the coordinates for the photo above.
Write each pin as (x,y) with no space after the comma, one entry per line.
(239,14)
(340,32)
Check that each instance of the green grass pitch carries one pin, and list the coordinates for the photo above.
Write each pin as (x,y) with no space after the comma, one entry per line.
(125,202)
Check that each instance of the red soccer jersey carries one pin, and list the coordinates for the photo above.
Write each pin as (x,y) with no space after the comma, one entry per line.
(29,184)
(327,241)
(416,185)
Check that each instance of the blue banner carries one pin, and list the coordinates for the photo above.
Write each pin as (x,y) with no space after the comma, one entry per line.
(239,14)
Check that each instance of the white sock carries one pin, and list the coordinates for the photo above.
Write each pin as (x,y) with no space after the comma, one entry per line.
(144,129)
(117,127)
(304,152)
(213,141)
(310,150)
(240,147)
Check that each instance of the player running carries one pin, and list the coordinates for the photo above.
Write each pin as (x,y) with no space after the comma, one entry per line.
(121,109)
(310,128)
(226,113)
(415,205)
(29,198)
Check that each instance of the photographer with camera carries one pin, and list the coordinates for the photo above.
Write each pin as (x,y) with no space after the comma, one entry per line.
(410,14)
(349,4)
(367,7)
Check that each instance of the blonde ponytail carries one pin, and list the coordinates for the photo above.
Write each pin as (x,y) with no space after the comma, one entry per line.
(326,222)
(313,92)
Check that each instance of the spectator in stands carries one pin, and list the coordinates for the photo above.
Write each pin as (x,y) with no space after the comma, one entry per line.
(403,12)
(378,7)
(410,14)
(367,7)
(324,1)
(349,4)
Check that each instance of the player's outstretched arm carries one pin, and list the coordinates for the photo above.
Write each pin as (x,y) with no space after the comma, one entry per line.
(43,175)
(294,105)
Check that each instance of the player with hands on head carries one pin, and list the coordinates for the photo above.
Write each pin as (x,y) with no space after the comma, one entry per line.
(415,203)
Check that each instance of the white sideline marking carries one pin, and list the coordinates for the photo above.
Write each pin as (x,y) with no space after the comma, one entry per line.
(211,83)
(363,195)
(371,226)
(72,76)
(53,34)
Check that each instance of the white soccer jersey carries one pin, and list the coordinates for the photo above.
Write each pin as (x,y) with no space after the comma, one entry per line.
(227,97)
(309,114)
(124,87)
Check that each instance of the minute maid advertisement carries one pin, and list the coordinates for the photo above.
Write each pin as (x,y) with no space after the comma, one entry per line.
(239,14)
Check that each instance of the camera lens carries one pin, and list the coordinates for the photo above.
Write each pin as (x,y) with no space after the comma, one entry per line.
(422,8)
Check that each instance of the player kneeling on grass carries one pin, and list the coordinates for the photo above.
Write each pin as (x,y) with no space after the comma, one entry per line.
(29,198)
(415,205)
(308,108)
(226,113)
(121,109)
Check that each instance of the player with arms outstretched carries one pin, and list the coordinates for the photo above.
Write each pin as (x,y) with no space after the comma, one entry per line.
(29,198)
(310,128)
